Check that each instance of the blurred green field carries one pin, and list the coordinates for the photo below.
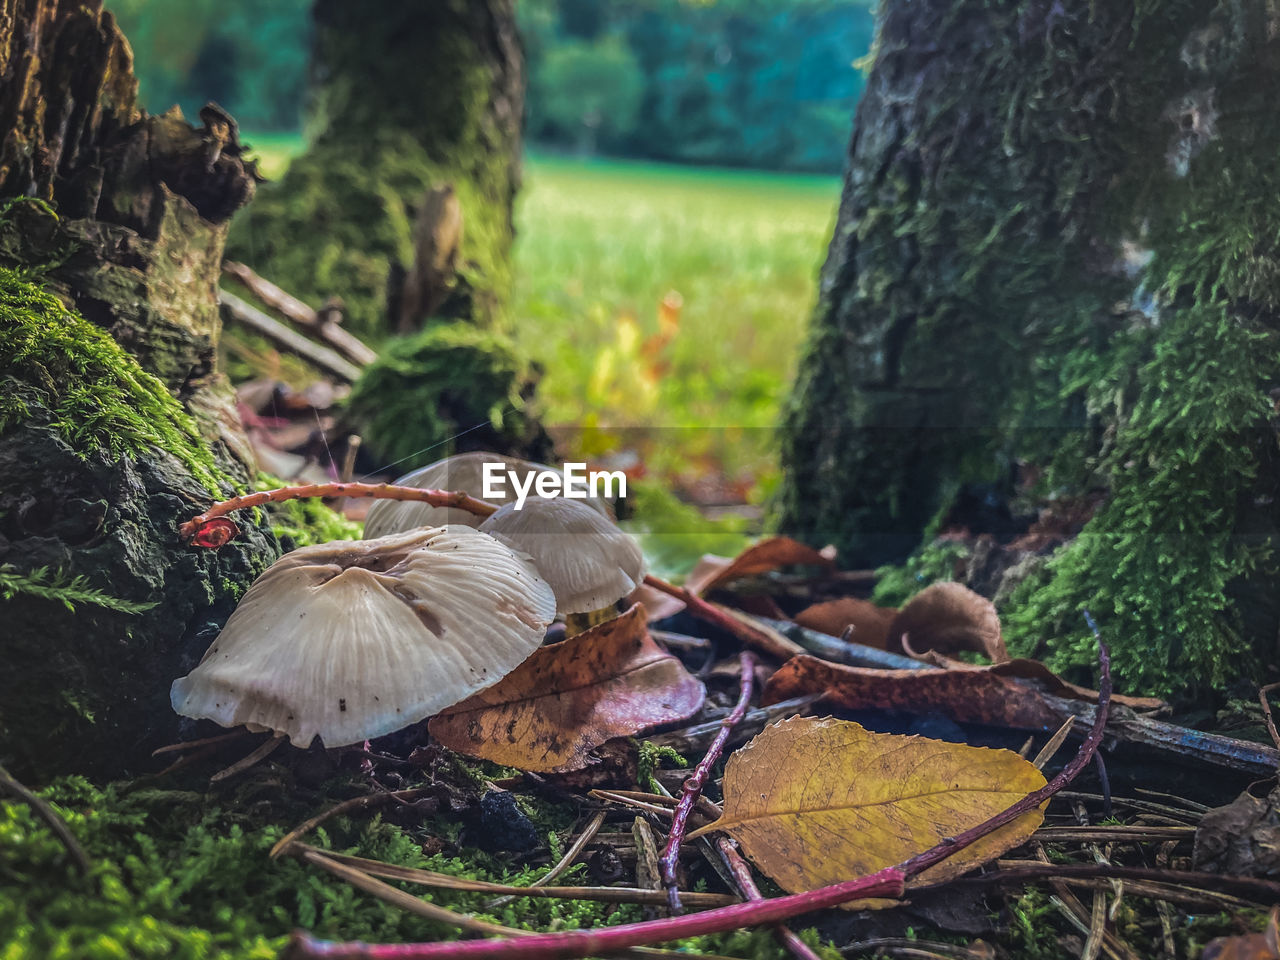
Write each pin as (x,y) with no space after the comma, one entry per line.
(601,243)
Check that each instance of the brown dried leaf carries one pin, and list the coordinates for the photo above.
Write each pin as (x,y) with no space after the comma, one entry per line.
(948,617)
(815,802)
(972,695)
(553,709)
(870,623)
(1250,946)
(1023,669)
(763,557)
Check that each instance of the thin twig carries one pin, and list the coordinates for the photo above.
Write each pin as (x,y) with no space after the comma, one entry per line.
(430,878)
(773,644)
(570,855)
(263,750)
(44,810)
(745,882)
(355,803)
(1266,712)
(186,745)
(1258,889)
(694,783)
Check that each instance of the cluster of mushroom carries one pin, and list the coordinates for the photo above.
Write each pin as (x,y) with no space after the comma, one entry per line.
(352,640)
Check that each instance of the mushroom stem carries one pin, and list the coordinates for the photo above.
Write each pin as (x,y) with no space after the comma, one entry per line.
(376,491)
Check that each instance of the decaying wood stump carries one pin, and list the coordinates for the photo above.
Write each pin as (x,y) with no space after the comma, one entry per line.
(142,205)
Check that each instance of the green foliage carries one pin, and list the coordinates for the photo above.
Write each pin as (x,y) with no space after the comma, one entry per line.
(57,368)
(425,390)
(250,57)
(184,875)
(56,585)
(301,523)
(767,83)
(588,89)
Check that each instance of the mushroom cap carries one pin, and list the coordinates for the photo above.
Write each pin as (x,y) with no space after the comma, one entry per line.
(354,639)
(587,559)
(463,472)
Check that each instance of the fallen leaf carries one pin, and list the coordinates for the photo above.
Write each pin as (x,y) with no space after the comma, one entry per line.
(1049,681)
(657,605)
(1242,838)
(568,698)
(815,802)
(870,623)
(767,555)
(1250,946)
(971,695)
(948,617)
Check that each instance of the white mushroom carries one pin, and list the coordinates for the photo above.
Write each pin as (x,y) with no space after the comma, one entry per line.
(588,561)
(355,639)
(463,472)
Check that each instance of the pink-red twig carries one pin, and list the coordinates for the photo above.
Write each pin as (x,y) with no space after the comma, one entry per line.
(694,783)
(207,532)
(787,937)
(570,945)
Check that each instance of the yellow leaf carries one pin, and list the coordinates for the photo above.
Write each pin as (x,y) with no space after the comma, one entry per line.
(814,802)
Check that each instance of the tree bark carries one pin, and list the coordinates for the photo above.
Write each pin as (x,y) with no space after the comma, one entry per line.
(411,98)
(1056,245)
(142,206)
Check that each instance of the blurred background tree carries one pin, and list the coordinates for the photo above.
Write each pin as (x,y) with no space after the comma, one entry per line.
(755,83)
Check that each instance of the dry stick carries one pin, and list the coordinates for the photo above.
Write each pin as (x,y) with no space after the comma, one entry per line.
(1266,712)
(745,882)
(565,862)
(694,783)
(775,646)
(1257,889)
(430,878)
(355,803)
(44,810)
(570,945)
(204,742)
(261,751)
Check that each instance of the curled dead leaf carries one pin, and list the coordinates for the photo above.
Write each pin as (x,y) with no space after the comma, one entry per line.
(971,695)
(568,698)
(763,557)
(814,802)
(870,623)
(948,617)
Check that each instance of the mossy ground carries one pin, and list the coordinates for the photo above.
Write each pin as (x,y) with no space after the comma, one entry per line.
(181,873)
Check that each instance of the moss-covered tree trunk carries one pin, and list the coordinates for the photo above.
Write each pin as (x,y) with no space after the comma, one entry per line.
(1057,244)
(409,98)
(114,423)
(402,206)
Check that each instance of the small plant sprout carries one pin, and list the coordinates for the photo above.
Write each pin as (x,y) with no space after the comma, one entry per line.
(589,562)
(465,473)
(351,640)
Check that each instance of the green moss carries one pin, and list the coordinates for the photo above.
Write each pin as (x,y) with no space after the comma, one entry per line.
(56,585)
(933,562)
(426,390)
(1178,564)
(343,216)
(179,874)
(650,757)
(58,367)
(301,523)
